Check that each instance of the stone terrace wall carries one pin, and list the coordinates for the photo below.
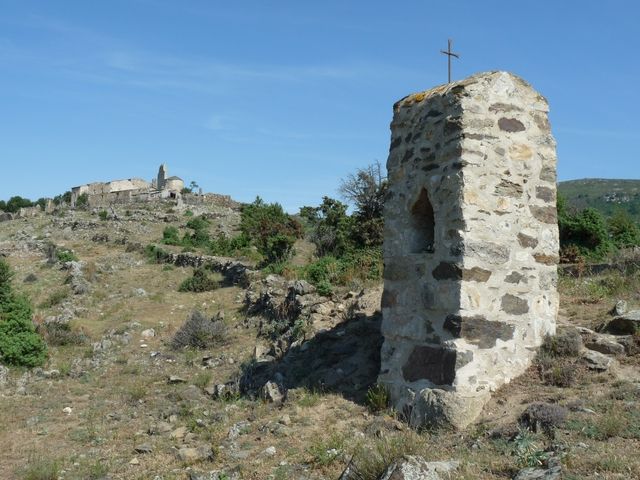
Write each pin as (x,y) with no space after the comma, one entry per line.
(471,245)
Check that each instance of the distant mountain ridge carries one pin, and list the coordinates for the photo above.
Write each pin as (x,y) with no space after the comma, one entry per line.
(605,195)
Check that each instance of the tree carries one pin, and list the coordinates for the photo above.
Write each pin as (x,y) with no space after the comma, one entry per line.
(19,342)
(585,230)
(330,226)
(16,203)
(623,230)
(270,229)
(367,189)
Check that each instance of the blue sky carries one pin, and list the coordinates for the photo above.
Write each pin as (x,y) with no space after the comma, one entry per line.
(282,99)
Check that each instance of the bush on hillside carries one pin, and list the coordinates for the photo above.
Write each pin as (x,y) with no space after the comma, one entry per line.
(171,236)
(200,332)
(624,231)
(201,281)
(585,231)
(270,229)
(19,342)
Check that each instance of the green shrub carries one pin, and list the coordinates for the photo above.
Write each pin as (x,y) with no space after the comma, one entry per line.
(623,230)
(82,201)
(66,256)
(171,236)
(19,342)
(201,281)
(156,254)
(270,229)
(103,214)
(585,231)
(378,398)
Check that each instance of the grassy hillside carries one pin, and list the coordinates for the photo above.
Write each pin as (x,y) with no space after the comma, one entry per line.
(606,195)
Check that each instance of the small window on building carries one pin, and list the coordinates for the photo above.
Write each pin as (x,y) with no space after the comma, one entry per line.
(422,222)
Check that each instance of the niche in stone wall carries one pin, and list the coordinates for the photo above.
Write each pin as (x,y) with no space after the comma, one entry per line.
(422,224)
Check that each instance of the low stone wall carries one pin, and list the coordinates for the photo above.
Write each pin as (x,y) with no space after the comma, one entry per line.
(234,271)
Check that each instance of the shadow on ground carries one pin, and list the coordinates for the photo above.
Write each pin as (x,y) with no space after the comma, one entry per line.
(344,360)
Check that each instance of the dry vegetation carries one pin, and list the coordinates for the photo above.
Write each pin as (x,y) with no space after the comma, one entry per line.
(120,398)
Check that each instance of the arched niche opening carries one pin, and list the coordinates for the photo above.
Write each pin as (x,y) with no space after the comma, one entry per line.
(423,224)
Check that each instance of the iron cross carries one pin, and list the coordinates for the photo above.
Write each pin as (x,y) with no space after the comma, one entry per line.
(449,54)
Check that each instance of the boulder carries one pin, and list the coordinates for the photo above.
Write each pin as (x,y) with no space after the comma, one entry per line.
(620,308)
(626,324)
(417,468)
(271,392)
(604,344)
(553,473)
(192,455)
(597,361)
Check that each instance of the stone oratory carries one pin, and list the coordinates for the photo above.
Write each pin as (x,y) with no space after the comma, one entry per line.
(470,245)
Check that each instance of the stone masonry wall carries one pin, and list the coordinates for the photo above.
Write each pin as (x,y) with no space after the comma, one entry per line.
(471,245)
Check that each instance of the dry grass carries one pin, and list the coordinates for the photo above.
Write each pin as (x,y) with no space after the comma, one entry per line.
(116,398)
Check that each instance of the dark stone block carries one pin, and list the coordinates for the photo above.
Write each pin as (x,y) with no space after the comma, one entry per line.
(548,174)
(407,155)
(545,193)
(476,274)
(484,333)
(515,277)
(478,330)
(546,259)
(509,189)
(504,107)
(545,214)
(526,241)
(389,298)
(434,363)
(514,305)
(447,271)
(510,125)
(453,323)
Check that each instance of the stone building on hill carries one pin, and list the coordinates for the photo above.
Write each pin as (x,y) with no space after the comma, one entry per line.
(129,190)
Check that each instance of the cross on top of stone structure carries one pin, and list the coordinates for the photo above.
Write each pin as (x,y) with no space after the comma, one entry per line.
(449,54)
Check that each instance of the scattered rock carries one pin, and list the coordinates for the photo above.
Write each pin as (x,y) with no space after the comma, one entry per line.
(238,429)
(67,410)
(620,308)
(134,461)
(143,448)
(597,361)
(269,451)
(140,292)
(553,473)
(271,392)
(159,428)
(604,344)
(148,333)
(179,433)
(192,455)
(31,278)
(173,379)
(417,468)
(626,324)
